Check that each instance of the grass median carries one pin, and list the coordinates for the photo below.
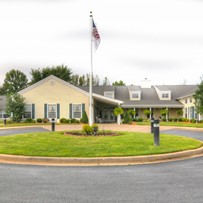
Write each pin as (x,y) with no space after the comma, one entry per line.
(56,144)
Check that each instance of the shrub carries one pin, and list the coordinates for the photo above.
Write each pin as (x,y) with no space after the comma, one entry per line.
(63,120)
(39,120)
(170,119)
(45,120)
(175,119)
(193,121)
(84,118)
(29,120)
(180,119)
(73,120)
(138,119)
(126,118)
(87,129)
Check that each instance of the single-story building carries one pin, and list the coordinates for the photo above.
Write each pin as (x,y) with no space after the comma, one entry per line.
(54,98)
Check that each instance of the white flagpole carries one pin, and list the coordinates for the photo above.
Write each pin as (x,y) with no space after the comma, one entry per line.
(91,73)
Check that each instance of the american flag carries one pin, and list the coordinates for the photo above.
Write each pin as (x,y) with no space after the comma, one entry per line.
(95,35)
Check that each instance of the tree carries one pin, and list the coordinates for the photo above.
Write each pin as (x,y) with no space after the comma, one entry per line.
(118,111)
(62,72)
(14,81)
(83,80)
(106,82)
(15,107)
(198,96)
(118,83)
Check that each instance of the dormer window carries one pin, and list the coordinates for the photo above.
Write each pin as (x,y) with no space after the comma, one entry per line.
(135,95)
(109,94)
(165,95)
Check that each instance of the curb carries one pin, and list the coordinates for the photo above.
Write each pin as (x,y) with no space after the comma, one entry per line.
(101,161)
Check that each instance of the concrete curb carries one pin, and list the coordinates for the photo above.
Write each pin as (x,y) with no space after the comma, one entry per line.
(102,161)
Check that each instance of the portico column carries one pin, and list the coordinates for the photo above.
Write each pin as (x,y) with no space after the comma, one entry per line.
(150,115)
(167,114)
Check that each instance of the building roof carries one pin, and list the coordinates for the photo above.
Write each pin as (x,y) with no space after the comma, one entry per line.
(149,97)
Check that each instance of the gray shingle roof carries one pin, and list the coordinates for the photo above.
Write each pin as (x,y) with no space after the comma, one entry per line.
(149,97)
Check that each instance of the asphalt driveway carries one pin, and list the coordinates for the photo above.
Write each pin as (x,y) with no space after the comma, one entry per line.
(14,131)
(196,134)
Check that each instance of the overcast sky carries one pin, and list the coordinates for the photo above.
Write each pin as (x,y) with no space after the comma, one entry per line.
(161,40)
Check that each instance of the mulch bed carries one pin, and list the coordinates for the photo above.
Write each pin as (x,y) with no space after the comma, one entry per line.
(84,134)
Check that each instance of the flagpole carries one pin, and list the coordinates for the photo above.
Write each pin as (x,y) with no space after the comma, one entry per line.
(91,73)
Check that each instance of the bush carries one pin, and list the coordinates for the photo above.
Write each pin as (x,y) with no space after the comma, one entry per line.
(29,120)
(138,119)
(45,120)
(126,118)
(180,119)
(87,129)
(175,119)
(84,118)
(170,119)
(39,120)
(73,120)
(193,121)
(63,120)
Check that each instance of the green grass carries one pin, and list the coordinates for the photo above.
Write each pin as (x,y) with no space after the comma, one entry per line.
(178,124)
(56,144)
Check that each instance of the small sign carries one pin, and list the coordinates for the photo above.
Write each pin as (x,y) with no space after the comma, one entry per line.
(156,125)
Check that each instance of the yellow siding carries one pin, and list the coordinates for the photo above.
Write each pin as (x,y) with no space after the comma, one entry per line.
(53,92)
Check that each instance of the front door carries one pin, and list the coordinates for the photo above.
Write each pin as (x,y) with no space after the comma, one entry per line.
(108,116)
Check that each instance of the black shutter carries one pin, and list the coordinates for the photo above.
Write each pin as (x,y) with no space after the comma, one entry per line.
(33,111)
(70,111)
(58,111)
(83,109)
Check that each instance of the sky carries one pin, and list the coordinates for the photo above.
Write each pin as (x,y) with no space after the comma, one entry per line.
(161,40)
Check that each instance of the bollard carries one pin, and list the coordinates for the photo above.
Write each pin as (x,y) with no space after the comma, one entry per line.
(5,121)
(152,125)
(53,125)
(156,133)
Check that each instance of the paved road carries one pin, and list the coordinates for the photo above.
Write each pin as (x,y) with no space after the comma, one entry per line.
(177,182)
(13,131)
(196,134)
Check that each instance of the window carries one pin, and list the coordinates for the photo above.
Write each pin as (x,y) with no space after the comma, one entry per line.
(77,111)
(190,99)
(109,94)
(28,111)
(135,96)
(186,101)
(165,95)
(52,110)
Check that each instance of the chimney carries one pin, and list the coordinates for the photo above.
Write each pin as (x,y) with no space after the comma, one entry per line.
(146,83)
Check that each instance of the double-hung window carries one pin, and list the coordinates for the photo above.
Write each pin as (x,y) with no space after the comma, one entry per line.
(76,110)
(52,110)
(28,111)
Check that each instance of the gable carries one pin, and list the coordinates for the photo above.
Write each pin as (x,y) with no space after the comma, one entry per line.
(53,89)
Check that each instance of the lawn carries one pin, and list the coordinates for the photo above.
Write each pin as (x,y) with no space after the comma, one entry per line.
(179,124)
(56,144)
